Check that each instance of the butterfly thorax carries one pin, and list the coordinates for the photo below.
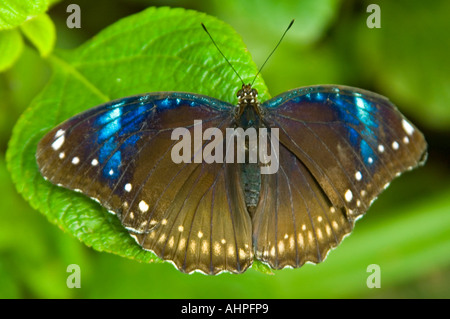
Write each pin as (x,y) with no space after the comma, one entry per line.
(247,99)
(248,114)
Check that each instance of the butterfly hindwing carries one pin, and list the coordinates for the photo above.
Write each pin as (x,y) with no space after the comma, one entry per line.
(294,221)
(120,155)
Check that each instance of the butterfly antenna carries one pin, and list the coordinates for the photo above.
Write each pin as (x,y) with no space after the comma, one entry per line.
(290,25)
(214,42)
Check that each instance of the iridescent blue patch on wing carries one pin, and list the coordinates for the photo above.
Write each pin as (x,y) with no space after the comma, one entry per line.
(165,104)
(297,96)
(119,128)
(356,112)
(173,103)
(107,149)
(112,167)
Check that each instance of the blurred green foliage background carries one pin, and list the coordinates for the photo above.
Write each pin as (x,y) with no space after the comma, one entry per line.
(406,231)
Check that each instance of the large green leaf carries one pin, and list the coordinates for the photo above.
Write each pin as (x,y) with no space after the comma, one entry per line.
(156,50)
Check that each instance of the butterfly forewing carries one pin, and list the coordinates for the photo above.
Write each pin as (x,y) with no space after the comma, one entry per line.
(353,142)
(120,154)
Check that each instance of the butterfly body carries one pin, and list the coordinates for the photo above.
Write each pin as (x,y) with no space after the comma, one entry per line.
(338,149)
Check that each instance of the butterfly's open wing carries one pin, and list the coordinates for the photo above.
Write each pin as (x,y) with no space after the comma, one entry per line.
(339,148)
(120,154)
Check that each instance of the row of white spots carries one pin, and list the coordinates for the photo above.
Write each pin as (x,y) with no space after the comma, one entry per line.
(204,246)
(395,145)
(290,240)
(94,162)
(409,129)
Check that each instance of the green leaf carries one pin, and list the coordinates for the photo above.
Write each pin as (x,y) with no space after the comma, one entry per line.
(408,57)
(156,50)
(14,12)
(41,32)
(11,45)
(297,61)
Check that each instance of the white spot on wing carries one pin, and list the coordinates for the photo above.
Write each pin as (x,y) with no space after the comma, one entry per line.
(217,249)
(348,195)
(56,145)
(182,243)
(319,234)
(75,160)
(94,162)
(395,145)
(128,187)
(143,206)
(407,127)
(280,246)
(59,133)
(358,175)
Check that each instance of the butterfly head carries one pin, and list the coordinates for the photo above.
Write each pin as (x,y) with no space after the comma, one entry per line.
(247,96)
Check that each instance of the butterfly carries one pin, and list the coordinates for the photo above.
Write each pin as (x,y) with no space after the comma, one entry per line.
(339,147)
